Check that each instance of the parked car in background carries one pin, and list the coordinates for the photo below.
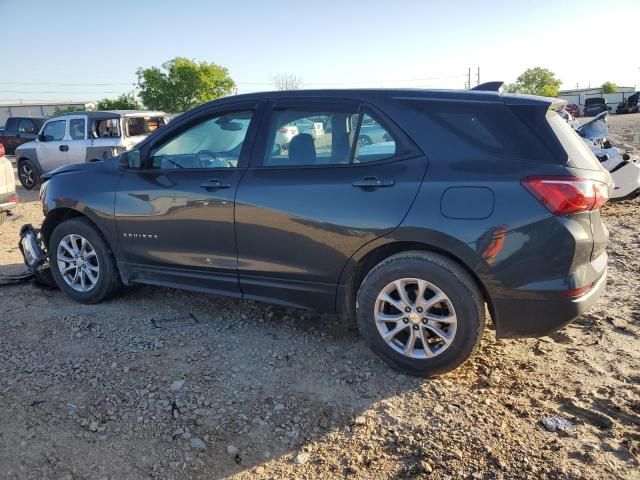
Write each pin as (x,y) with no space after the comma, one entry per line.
(8,195)
(371,132)
(630,105)
(593,106)
(81,137)
(573,109)
(505,211)
(19,130)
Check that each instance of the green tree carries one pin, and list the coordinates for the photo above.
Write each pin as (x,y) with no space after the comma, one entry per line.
(62,111)
(537,81)
(609,87)
(181,84)
(126,101)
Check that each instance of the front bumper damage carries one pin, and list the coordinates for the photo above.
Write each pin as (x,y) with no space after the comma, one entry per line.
(35,255)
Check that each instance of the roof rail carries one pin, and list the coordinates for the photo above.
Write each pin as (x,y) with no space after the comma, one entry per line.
(490,87)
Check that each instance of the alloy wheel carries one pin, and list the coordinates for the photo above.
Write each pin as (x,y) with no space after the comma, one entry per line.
(78,263)
(26,175)
(415,318)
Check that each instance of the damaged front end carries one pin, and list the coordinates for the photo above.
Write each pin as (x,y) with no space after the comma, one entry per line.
(35,255)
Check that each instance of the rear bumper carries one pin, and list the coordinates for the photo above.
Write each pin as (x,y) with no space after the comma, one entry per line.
(543,313)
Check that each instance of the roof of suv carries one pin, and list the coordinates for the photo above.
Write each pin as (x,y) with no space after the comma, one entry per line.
(483,96)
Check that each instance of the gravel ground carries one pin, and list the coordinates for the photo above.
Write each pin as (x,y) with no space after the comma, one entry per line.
(161,383)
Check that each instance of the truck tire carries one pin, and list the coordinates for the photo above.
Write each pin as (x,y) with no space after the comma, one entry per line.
(28,174)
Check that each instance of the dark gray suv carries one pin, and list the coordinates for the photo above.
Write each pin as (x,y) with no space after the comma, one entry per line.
(463,199)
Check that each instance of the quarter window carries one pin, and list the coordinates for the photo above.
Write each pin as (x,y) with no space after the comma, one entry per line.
(374,142)
(76,128)
(54,130)
(213,143)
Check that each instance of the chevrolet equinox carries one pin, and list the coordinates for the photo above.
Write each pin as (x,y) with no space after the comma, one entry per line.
(408,209)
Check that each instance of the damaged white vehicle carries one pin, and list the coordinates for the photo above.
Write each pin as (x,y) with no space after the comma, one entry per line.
(624,168)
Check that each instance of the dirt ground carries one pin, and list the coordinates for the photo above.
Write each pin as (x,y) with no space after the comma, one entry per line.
(161,383)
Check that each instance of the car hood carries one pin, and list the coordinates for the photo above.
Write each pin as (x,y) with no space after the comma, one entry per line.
(26,145)
(109,164)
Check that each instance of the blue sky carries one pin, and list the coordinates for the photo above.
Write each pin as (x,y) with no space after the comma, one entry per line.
(327,43)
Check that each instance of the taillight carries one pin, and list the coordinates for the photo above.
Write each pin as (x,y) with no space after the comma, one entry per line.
(566,195)
(1,150)
(13,199)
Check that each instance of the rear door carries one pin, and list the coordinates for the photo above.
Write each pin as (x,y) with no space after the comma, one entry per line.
(52,148)
(303,209)
(77,139)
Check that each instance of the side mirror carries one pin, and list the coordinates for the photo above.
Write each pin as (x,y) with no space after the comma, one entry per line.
(130,159)
(42,138)
(124,160)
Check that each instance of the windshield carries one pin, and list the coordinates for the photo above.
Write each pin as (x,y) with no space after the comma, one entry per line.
(143,125)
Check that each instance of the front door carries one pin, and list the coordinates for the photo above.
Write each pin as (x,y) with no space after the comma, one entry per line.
(52,147)
(311,201)
(175,214)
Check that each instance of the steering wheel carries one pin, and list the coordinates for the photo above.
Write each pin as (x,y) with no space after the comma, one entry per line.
(208,159)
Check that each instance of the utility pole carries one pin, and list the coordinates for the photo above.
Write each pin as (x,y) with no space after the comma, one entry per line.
(469,78)
(478,76)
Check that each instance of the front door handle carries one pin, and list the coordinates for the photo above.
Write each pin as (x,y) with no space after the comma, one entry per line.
(373,182)
(63,148)
(214,184)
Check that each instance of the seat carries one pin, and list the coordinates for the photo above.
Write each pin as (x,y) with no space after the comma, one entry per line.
(302,150)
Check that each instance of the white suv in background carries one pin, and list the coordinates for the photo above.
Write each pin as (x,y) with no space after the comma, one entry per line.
(80,137)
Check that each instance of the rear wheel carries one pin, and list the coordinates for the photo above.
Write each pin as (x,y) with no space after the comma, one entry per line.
(28,175)
(420,312)
(364,140)
(81,262)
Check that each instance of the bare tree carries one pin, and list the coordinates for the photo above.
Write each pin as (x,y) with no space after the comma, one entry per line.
(286,81)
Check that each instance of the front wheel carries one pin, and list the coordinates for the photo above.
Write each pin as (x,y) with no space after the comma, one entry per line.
(28,175)
(421,313)
(81,262)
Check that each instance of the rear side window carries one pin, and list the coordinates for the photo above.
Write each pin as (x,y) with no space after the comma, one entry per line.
(105,128)
(579,153)
(468,130)
(54,130)
(311,137)
(27,126)
(76,128)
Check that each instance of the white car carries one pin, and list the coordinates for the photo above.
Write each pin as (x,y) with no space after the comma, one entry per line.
(81,137)
(8,195)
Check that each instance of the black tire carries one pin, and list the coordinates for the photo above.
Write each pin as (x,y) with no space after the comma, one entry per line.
(28,174)
(108,281)
(453,281)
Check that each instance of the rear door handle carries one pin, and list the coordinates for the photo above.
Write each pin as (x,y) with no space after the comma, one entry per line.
(214,184)
(373,182)
(63,148)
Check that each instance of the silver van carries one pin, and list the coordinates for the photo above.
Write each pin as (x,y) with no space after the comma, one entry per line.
(80,137)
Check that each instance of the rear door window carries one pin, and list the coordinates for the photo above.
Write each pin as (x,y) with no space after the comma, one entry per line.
(308,137)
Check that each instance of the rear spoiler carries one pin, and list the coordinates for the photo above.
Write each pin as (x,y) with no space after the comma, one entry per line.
(490,87)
